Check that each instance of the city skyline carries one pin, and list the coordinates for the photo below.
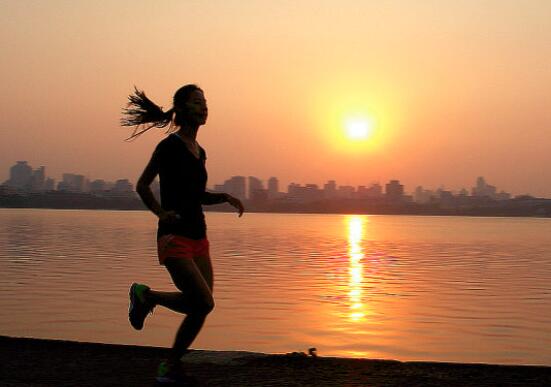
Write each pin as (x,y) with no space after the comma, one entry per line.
(439,93)
(23,176)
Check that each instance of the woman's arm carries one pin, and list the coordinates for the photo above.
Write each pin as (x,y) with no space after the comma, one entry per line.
(143,187)
(217,198)
(214,198)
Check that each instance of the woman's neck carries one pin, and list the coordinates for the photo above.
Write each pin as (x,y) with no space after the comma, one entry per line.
(188,132)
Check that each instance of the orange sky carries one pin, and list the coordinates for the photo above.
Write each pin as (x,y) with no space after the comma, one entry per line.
(456,89)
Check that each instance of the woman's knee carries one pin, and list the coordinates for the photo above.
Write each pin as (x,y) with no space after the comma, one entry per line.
(204,305)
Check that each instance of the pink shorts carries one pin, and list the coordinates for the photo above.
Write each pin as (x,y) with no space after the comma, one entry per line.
(181,247)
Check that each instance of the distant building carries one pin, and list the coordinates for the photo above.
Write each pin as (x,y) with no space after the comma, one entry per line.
(255,184)
(123,186)
(273,188)
(313,193)
(371,192)
(6,189)
(20,175)
(259,196)
(72,183)
(422,196)
(394,190)
(304,194)
(503,196)
(482,189)
(234,186)
(98,185)
(330,189)
(374,191)
(346,192)
(446,198)
(292,187)
(38,179)
(49,184)
(23,177)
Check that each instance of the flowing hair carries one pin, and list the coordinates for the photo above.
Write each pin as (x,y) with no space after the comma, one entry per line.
(144,114)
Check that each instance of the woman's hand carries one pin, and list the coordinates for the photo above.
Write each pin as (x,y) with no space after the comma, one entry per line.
(235,202)
(169,217)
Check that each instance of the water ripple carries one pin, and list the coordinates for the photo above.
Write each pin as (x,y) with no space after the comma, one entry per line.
(405,287)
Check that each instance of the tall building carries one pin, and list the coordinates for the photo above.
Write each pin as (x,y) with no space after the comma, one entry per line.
(375,191)
(483,189)
(255,184)
(235,186)
(394,190)
(20,175)
(49,184)
(446,198)
(330,189)
(38,179)
(273,188)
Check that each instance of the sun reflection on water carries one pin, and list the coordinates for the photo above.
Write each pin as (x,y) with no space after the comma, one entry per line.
(355,254)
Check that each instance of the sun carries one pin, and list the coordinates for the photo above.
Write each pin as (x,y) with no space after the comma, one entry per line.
(358,128)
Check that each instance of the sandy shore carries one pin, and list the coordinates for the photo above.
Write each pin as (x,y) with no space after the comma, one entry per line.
(36,362)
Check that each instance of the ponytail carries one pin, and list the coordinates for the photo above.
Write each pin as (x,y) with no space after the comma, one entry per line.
(144,114)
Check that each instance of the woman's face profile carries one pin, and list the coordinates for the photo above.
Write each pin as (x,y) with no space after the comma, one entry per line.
(196,108)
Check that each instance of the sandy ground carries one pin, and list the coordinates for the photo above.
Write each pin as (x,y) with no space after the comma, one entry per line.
(35,362)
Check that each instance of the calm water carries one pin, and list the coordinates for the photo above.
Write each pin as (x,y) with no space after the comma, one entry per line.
(396,287)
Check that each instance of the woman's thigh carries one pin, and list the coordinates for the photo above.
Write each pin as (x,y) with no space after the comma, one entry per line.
(205,267)
(188,278)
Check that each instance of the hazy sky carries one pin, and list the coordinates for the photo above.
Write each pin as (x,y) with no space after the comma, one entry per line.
(455,89)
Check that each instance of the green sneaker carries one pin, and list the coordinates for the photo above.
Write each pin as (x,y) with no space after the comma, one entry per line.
(139,308)
(174,375)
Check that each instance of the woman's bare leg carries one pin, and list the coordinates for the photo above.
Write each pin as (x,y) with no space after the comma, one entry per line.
(195,300)
(176,301)
(192,324)
(180,301)
(205,266)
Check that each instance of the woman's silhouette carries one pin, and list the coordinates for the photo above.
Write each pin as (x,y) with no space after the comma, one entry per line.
(182,242)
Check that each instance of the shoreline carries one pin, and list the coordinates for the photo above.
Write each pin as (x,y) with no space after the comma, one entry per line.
(45,362)
(231,211)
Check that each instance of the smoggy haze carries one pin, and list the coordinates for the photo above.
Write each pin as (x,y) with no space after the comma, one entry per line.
(457,89)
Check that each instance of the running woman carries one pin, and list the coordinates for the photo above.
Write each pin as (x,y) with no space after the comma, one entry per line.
(182,242)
